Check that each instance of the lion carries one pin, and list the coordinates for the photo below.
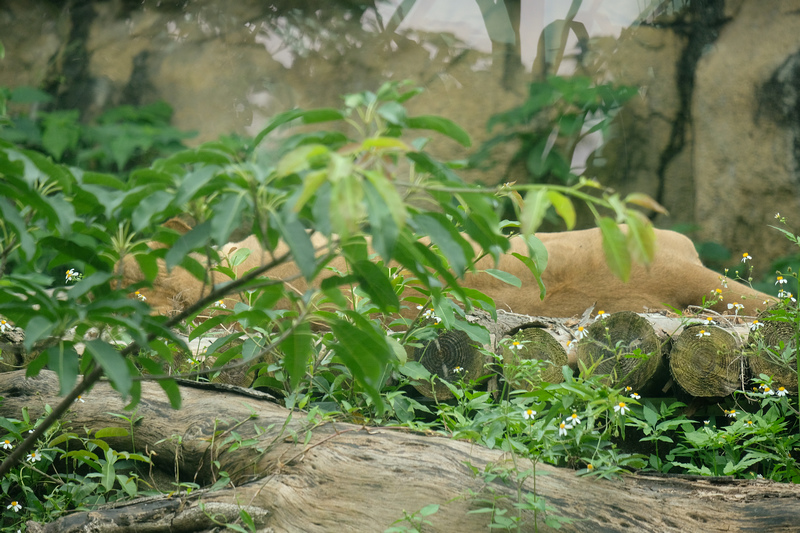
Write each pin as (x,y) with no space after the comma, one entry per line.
(577,277)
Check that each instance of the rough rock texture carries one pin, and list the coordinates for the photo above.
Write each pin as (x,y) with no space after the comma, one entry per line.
(745,161)
(713,133)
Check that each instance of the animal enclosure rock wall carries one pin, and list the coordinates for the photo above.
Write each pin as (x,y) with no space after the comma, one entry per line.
(713,134)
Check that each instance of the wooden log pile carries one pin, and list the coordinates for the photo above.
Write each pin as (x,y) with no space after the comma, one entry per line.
(706,356)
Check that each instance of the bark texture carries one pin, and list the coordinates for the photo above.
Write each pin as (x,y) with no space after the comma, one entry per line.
(316,476)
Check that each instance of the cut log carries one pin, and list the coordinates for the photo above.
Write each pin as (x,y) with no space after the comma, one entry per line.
(706,362)
(773,350)
(533,343)
(315,476)
(624,346)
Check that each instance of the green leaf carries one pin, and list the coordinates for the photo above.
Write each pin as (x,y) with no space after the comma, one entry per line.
(172,391)
(37,329)
(563,206)
(444,235)
(442,125)
(641,237)
(394,113)
(14,219)
(383,225)
(383,143)
(207,325)
(111,432)
(302,158)
(615,247)
(308,117)
(374,281)
(193,182)
(145,212)
(536,262)
(364,351)
(61,131)
(227,216)
(346,207)
(28,95)
(63,360)
(197,237)
(297,349)
(295,235)
(505,277)
(113,365)
(533,210)
(109,472)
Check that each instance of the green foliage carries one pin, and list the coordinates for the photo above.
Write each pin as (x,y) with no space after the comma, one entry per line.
(548,126)
(340,345)
(117,140)
(65,472)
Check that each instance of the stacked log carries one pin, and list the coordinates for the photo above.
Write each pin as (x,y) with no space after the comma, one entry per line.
(714,363)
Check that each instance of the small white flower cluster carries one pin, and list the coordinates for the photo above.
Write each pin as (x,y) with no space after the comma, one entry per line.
(141,296)
(34,457)
(766,390)
(756,325)
(621,408)
(736,306)
(429,313)
(784,294)
(703,333)
(633,394)
(516,345)
(4,326)
(528,414)
(570,422)
(73,275)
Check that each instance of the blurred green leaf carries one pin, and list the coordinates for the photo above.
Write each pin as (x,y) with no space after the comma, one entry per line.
(563,206)
(374,282)
(297,350)
(63,360)
(308,117)
(442,125)
(533,210)
(364,351)
(615,247)
(113,365)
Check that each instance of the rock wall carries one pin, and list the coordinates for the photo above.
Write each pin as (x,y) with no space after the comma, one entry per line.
(714,134)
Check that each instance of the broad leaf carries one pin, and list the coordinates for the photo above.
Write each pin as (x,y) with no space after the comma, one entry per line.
(296,350)
(615,246)
(113,365)
(63,360)
(442,125)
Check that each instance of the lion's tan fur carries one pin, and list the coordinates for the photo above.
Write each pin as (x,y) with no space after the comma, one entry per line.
(576,278)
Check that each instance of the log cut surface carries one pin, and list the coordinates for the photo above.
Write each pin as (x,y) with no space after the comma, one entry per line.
(314,476)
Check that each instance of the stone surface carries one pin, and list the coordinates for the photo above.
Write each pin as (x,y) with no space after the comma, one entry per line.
(708,136)
(743,158)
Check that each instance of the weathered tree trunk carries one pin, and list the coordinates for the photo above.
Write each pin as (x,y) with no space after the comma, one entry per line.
(309,475)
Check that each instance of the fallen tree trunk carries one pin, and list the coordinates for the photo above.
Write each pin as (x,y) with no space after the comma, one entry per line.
(306,474)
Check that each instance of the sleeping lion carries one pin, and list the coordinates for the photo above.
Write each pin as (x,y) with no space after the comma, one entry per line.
(576,278)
